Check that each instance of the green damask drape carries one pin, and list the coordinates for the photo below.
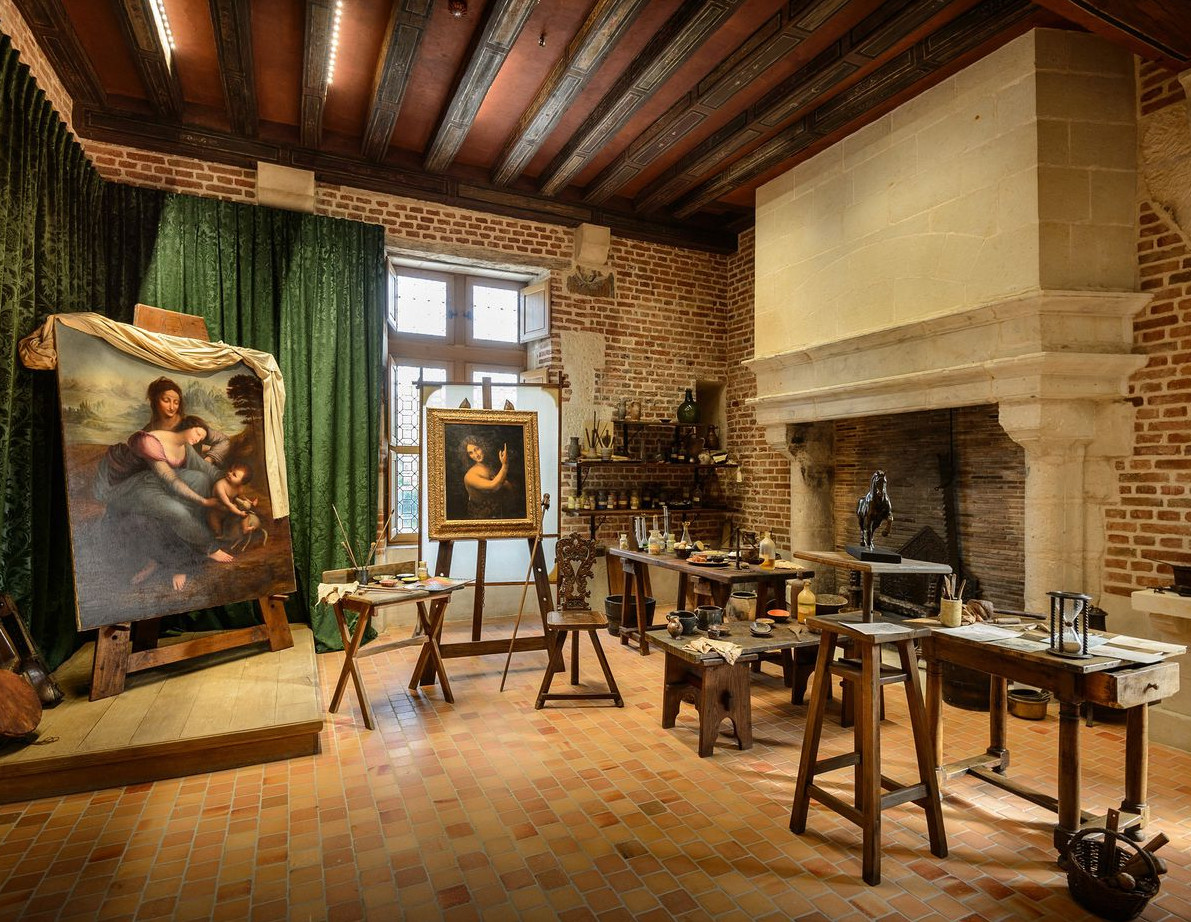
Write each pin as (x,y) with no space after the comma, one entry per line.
(68,242)
(307,289)
(310,290)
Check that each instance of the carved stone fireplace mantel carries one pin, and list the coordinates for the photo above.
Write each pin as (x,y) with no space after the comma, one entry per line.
(1056,363)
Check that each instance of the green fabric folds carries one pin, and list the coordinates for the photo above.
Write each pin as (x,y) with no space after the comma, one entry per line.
(309,290)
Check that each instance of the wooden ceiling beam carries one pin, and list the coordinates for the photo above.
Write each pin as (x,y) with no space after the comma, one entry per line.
(1154,29)
(320,17)
(231,21)
(58,40)
(778,37)
(503,22)
(153,59)
(596,38)
(860,49)
(690,26)
(466,189)
(403,37)
(910,71)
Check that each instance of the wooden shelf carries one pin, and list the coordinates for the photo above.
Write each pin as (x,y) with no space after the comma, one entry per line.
(659,464)
(653,510)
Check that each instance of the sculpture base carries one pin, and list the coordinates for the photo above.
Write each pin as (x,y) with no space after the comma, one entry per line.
(874,555)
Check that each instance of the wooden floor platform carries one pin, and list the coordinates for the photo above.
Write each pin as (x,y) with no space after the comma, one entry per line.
(223,710)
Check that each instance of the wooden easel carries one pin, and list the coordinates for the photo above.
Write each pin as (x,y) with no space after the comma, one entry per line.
(132,647)
(476,646)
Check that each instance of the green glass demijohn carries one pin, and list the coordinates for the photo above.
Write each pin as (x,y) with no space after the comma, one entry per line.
(688,410)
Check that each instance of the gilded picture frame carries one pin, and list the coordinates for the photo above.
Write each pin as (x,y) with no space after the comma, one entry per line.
(482,473)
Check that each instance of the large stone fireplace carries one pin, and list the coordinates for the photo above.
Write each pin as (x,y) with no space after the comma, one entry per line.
(973,248)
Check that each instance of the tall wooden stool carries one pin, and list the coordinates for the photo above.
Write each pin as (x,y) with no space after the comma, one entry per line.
(867,675)
(575,558)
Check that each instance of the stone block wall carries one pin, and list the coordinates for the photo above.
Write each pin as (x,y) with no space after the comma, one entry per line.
(994,183)
(1152,520)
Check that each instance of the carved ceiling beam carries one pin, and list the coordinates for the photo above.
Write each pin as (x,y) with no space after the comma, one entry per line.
(58,40)
(858,50)
(584,54)
(320,15)
(403,37)
(689,27)
(1155,29)
(153,59)
(231,21)
(911,69)
(503,22)
(775,39)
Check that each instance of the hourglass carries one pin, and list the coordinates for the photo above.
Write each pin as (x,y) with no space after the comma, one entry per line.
(1069,624)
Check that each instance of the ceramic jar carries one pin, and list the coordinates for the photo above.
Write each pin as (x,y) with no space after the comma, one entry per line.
(742,606)
(573,448)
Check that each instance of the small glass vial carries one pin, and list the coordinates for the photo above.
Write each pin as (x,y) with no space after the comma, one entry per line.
(423,572)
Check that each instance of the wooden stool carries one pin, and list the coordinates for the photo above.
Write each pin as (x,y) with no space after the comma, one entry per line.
(574,558)
(868,675)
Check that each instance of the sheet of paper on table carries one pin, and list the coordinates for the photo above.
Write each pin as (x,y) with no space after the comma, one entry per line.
(978,632)
(877,627)
(1025,644)
(1131,656)
(1145,645)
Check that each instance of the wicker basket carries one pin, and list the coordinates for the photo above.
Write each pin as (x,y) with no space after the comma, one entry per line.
(1088,876)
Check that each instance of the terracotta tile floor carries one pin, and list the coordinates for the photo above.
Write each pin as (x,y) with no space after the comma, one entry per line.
(488,809)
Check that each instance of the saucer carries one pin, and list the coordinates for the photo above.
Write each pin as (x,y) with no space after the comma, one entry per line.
(756,633)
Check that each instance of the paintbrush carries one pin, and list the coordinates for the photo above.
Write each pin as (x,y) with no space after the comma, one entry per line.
(346,539)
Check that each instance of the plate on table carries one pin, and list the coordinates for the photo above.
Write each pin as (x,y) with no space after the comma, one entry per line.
(707,563)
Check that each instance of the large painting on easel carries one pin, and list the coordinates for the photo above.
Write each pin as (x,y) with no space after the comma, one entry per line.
(482,473)
(168,498)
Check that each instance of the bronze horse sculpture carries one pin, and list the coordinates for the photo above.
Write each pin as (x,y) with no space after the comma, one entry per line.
(873,509)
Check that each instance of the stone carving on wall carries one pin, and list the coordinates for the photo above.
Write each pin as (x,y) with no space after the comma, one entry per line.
(595,283)
(1166,161)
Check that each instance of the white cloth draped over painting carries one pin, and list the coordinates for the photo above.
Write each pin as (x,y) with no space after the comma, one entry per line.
(39,351)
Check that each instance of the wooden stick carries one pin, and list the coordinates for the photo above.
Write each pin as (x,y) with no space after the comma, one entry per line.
(537,540)
(346,538)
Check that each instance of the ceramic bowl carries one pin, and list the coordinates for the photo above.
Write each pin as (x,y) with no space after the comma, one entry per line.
(682,553)
(778,615)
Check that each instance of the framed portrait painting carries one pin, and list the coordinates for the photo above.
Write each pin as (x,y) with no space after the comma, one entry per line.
(167,493)
(482,473)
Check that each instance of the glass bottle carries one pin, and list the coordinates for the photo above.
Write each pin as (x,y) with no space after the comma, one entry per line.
(806,602)
(768,551)
(688,410)
(686,535)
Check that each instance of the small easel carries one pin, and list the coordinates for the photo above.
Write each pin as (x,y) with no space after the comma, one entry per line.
(425,670)
(132,646)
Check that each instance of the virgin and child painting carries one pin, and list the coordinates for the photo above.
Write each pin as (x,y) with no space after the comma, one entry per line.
(165,476)
(482,473)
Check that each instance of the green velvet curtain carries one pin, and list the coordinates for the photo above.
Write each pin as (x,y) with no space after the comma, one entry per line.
(307,289)
(68,242)
(310,290)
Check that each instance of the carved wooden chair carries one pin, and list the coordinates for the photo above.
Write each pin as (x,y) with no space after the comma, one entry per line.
(575,558)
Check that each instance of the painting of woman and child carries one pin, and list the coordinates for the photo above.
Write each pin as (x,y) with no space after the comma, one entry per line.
(165,476)
(482,473)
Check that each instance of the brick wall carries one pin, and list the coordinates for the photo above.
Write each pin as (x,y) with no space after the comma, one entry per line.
(764,493)
(990,488)
(1153,517)
(13,24)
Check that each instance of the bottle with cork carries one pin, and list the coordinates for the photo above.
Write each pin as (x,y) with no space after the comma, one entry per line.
(806,602)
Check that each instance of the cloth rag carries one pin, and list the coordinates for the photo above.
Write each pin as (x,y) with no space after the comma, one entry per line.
(725,648)
(330,593)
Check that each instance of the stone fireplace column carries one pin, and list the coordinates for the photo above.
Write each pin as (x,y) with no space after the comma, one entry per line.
(1055,435)
(812,474)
